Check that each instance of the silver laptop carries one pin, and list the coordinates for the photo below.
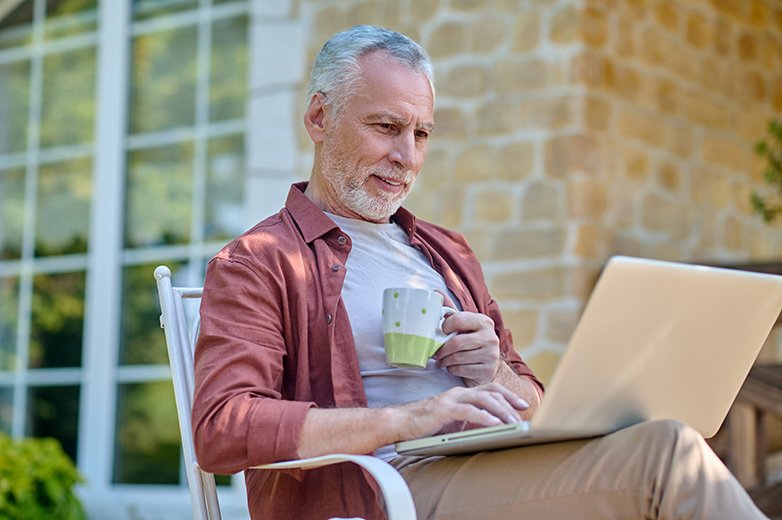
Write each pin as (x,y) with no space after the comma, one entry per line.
(657,340)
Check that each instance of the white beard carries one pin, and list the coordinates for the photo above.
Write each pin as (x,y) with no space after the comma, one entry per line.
(349,184)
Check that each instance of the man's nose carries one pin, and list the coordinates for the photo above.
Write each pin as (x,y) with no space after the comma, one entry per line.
(403,151)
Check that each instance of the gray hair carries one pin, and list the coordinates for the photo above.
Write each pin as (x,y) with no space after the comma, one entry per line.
(336,72)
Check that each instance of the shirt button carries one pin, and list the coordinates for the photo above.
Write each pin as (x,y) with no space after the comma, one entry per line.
(335,267)
(328,318)
(342,240)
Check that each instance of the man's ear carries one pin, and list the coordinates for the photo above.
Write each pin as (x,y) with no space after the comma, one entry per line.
(315,118)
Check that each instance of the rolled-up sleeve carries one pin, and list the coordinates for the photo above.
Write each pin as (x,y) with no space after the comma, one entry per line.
(239,417)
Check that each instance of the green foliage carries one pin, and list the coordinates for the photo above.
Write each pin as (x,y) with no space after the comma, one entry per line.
(771,150)
(37,480)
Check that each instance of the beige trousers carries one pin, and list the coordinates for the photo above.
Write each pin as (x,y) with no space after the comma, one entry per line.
(659,469)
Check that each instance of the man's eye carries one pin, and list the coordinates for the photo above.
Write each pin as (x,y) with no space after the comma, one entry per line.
(386,126)
(420,134)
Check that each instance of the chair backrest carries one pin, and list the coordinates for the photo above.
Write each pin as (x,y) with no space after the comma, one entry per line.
(180,344)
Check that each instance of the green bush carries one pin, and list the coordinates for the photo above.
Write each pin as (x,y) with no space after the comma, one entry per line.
(37,481)
(771,151)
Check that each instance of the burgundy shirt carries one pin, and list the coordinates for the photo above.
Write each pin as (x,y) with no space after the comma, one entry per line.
(275,340)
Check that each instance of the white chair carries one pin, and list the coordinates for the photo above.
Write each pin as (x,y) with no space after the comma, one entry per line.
(203,493)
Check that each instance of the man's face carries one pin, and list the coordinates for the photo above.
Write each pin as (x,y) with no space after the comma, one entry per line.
(372,152)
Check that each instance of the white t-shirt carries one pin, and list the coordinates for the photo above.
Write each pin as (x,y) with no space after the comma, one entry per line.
(382,257)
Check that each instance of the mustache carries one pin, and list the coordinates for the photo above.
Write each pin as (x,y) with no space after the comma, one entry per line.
(394,174)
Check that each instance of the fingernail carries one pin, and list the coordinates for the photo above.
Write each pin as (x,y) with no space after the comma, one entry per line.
(522,403)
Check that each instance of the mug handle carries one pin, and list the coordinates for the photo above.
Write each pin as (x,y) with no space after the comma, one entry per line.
(444,313)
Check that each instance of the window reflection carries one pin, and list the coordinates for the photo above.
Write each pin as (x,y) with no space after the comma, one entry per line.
(16,27)
(9,301)
(57,320)
(147,445)
(14,106)
(6,408)
(11,213)
(224,217)
(228,69)
(63,207)
(158,196)
(68,100)
(70,17)
(143,9)
(163,80)
(53,411)
(141,340)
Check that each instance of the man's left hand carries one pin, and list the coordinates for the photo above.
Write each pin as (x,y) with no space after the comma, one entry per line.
(474,352)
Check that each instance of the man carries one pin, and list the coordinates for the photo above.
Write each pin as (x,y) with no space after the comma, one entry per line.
(289,362)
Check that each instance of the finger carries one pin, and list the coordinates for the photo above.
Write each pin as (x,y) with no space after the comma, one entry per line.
(447,301)
(493,402)
(511,397)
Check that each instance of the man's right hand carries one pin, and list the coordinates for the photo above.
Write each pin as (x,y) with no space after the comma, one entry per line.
(484,405)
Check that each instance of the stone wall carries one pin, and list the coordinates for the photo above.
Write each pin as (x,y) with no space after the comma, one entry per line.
(566,131)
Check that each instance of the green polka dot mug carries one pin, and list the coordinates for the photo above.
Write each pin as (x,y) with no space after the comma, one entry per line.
(412,325)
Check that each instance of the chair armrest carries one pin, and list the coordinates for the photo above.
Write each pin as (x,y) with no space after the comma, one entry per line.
(397,497)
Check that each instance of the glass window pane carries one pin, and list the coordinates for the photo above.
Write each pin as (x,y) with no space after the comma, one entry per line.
(143,9)
(63,207)
(147,443)
(159,193)
(57,320)
(53,411)
(70,17)
(6,408)
(224,218)
(141,340)
(163,80)
(9,301)
(228,69)
(68,105)
(16,28)
(14,106)
(11,213)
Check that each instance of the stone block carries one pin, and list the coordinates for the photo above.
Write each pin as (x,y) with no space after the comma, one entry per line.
(568,154)
(752,124)
(702,111)
(422,10)
(731,8)
(750,86)
(669,177)
(665,215)
(450,124)
(475,163)
(488,34)
(747,46)
(594,27)
(447,39)
(363,12)
(666,96)
(758,14)
(723,37)
(775,93)
(698,30)
(587,67)
(515,161)
(560,322)
(564,28)
(680,141)
(494,117)
(467,5)
(464,81)
(726,153)
(493,206)
(654,45)
(590,241)
(526,31)
(543,201)
(733,234)
(451,206)
(512,76)
(547,113)
(543,364)
(666,13)
(536,285)
(638,8)
(529,243)
(523,324)
(587,198)
(625,36)
(597,113)
(644,126)
(633,163)
(622,80)
(436,171)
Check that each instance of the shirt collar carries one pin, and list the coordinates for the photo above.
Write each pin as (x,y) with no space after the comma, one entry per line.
(313,223)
